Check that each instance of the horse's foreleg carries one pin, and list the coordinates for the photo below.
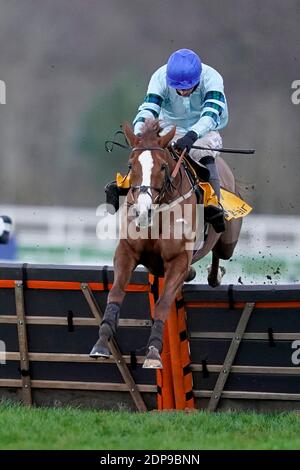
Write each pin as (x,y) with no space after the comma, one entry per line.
(124,264)
(175,274)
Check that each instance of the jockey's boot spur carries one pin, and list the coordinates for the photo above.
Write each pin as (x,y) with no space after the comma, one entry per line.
(214,214)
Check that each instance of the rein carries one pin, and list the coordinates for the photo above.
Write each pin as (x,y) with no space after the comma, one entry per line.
(168,181)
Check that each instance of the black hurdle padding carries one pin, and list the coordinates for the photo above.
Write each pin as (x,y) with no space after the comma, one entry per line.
(70,317)
(272,343)
(10,370)
(7,296)
(105,278)
(133,360)
(88,372)
(93,371)
(205,373)
(223,319)
(212,319)
(9,334)
(245,293)
(11,271)
(155,288)
(80,273)
(71,304)
(269,383)
(231,296)
(59,302)
(57,339)
(283,320)
(250,352)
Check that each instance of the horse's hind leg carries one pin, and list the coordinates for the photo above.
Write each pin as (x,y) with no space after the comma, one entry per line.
(215,272)
(224,249)
(124,264)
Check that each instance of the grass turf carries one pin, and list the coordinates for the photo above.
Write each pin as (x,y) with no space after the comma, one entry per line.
(69,428)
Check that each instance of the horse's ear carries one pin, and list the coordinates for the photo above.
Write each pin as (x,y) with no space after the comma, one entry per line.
(166,139)
(130,135)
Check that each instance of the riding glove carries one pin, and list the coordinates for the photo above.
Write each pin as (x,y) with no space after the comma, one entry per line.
(187,141)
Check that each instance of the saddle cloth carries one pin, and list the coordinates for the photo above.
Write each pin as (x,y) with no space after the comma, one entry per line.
(234,207)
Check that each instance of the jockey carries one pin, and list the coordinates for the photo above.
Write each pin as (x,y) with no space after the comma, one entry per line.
(189,94)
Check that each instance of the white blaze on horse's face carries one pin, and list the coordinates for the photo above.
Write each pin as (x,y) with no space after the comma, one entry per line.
(144,200)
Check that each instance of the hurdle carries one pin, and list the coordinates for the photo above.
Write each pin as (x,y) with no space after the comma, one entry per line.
(233,347)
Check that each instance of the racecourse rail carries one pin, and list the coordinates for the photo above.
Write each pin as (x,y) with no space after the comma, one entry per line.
(233,347)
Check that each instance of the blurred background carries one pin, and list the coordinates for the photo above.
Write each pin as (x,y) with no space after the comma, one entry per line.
(75,70)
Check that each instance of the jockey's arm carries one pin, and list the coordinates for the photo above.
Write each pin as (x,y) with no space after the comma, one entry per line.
(151,106)
(211,114)
(214,106)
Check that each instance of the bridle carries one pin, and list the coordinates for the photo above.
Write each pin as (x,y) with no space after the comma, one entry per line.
(168,180)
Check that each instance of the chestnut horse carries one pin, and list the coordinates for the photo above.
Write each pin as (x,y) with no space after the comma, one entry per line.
(152,185)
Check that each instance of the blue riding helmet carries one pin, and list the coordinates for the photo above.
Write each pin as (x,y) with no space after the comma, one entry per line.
(184,69)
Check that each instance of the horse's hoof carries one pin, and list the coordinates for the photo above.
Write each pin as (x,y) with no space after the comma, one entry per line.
(191,275)
(153,359)
(100,350)
(215,281)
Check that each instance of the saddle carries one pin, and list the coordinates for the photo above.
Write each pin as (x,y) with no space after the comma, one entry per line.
(197,173)
(199,176)
(198,170)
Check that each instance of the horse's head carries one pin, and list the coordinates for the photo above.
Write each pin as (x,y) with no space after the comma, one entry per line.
(150,172)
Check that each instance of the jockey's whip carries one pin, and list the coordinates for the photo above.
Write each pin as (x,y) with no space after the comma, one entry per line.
(226,150)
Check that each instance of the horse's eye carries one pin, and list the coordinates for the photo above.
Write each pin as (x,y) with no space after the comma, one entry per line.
(129,166)
(163,167)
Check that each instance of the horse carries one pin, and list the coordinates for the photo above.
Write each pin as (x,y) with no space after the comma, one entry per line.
(151,166)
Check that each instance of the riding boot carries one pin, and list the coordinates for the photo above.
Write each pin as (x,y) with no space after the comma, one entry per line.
(212,213)
(113,192)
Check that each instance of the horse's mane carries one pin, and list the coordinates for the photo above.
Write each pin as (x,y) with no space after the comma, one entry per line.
(151,129)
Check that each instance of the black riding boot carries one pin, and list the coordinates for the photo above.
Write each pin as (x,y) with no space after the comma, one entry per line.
(214,214)
(113,192)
